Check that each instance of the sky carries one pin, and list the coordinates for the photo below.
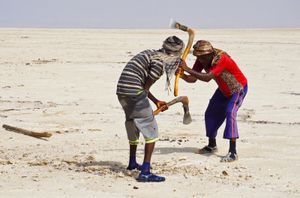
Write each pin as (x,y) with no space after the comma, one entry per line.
(150,14)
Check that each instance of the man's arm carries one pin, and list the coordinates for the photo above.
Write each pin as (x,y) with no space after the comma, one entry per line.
(158,103)
(148,84)
(189,78)
(206,77)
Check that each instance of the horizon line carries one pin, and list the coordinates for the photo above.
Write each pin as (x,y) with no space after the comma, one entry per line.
(206,28)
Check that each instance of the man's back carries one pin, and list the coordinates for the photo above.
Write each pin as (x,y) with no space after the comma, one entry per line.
(136,71)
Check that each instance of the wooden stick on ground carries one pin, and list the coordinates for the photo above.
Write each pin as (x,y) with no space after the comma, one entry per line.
(27,132)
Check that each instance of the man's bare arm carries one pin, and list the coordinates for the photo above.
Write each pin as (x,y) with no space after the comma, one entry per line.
(206,77)
(158,103)
(193,74)
(148,84)
(189,78)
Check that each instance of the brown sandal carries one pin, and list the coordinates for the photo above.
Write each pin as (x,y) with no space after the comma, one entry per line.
(207,150)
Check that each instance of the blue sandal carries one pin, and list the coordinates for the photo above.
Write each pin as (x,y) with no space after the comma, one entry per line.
(150,178)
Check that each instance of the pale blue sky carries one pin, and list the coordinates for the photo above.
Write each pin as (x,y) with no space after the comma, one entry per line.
(150,14)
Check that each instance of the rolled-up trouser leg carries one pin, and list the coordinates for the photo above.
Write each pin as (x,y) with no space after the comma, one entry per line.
(235,102)
(139,118)
(133,133)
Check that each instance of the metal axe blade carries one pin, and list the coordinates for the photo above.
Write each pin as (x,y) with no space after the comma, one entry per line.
(187,119)
(174,24)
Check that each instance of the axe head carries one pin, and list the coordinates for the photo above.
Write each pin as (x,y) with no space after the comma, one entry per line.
(174,24)
(187,119)
(185,104)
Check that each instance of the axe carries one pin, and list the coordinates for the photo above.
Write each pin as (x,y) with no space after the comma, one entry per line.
(176,25)
(185,104)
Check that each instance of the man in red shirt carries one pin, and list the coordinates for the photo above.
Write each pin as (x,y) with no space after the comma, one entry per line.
(224,104)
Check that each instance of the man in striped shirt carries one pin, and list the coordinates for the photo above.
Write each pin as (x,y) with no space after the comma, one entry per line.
(133,90)
(227,99)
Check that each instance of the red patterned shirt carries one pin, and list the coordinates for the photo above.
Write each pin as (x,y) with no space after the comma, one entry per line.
(226,73)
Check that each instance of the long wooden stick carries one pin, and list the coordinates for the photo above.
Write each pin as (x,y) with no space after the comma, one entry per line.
(27,132)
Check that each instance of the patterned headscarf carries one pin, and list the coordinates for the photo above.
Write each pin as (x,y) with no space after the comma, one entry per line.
(170,55)
(173,45)
(202,47)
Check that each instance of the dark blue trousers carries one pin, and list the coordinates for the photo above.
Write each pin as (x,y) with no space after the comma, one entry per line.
(221,108)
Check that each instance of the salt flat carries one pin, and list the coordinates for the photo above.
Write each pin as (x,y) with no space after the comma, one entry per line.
(63,81)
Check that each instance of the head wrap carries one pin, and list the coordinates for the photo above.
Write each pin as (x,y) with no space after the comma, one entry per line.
(173,45)
(202,47)
(170,55)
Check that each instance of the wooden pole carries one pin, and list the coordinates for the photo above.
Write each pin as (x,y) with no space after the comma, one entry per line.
(27,132)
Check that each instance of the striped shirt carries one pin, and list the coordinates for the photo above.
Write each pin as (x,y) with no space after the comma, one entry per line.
(143,65)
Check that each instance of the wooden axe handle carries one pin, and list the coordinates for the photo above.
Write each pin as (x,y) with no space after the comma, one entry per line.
(183,99)
(184,55)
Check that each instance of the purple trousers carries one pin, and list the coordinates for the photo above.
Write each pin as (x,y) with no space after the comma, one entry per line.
(221,108)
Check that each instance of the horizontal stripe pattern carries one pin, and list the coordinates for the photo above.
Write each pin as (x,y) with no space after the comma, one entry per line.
(137,70)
